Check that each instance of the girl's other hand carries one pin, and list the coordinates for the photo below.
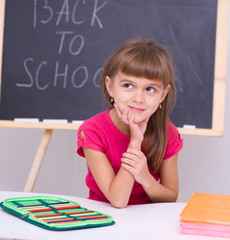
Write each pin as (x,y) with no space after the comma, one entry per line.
(136,163)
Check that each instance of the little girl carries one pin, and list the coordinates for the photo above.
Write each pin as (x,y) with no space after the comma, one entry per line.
(132,148)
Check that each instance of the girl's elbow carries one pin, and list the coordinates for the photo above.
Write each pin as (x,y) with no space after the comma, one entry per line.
(174,197)
(117,200)
(119,203)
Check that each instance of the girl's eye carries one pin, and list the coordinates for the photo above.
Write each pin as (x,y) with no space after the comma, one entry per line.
(128,85)
(150,89)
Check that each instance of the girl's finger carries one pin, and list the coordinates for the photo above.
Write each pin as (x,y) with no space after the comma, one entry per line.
(128,161)
(128,168)
(125,115)
(131,120)
(131,157)
(136,152)
(118,110)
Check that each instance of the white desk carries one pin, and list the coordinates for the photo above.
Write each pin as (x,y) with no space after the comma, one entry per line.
(150,221)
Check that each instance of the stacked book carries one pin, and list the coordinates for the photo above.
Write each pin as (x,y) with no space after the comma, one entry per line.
(206,214)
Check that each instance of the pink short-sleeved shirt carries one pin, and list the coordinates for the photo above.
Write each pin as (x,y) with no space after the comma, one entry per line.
(103,136)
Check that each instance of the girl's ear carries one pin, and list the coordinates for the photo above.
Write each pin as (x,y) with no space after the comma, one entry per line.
(108,83)
(165,92)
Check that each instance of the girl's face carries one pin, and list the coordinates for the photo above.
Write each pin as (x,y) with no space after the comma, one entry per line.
(140,95)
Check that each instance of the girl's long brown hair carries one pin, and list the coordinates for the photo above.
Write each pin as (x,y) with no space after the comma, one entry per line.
(147,59)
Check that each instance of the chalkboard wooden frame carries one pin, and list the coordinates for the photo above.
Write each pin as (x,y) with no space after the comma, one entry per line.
(219,81)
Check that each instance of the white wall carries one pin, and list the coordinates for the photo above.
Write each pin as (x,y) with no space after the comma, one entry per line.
(62,172)
(204,162)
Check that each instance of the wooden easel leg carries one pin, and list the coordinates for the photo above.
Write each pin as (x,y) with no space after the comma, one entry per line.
(38,160)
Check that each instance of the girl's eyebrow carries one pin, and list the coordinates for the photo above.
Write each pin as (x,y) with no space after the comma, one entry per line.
(150,82)
(155,85)
(125,80)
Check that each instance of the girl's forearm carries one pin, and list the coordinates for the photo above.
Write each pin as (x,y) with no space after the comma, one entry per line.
(158,192)
(135,144)
(122,185)
(120,188)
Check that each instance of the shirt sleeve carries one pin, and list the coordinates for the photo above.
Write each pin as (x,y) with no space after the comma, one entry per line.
(93,139)
(174,141)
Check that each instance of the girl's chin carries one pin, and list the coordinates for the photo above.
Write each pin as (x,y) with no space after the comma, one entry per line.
(138,119)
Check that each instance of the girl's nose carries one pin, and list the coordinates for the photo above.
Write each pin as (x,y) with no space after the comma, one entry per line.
(138,97)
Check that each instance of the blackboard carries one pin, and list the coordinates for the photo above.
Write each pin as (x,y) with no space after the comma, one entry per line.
(54,52)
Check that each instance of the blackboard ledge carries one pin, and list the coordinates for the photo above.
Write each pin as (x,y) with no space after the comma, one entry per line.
(76,125)
(41,125)
(202,132)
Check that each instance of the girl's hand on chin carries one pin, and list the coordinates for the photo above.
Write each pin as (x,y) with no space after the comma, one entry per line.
(125,115)
(137,130)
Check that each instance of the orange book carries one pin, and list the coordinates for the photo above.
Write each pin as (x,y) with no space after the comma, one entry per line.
(207,208)
(206,214)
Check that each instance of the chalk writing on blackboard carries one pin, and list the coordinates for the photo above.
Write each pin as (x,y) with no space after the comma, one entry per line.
(73,42)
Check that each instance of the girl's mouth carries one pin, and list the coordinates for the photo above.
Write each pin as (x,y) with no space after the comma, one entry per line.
(137,110)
